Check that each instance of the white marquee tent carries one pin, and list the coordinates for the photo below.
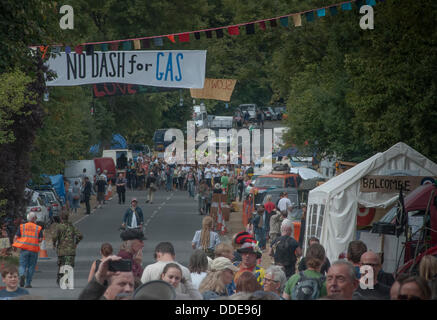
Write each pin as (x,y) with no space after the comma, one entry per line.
(333,206)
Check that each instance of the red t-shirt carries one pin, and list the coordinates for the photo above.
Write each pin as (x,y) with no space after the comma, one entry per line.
(269,206)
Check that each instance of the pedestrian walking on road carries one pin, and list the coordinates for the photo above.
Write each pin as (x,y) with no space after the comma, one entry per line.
(121,188)
(151,186)
(65,239)
(105,251)
(203,195)
(133,217)
(206,239)
(75,194)
(101,189)
(28,238)
(87,194)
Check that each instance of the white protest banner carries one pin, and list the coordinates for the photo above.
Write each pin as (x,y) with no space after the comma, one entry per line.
(166,68)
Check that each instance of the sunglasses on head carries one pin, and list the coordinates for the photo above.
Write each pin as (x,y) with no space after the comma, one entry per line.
(407,297)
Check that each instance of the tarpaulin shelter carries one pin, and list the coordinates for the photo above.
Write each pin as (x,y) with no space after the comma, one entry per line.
(333,206)
(290,152)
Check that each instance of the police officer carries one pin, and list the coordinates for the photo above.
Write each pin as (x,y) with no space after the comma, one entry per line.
(28,238)
(65,240)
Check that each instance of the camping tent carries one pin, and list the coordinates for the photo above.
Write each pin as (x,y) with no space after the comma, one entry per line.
(333,206)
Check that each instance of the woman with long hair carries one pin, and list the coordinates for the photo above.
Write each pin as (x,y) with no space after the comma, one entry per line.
(206,239)
(105,250)
(221,274)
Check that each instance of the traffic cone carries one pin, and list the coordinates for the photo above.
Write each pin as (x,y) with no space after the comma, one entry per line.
(43,250)
(108,195)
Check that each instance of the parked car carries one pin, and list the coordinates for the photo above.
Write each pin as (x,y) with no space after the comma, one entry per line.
(280,111)
(41,208)
(250,108)
(268,114)
(51,198)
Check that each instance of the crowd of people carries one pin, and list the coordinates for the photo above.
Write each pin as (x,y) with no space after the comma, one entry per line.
(217,269)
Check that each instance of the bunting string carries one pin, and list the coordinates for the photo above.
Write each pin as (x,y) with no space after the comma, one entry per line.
(233,30)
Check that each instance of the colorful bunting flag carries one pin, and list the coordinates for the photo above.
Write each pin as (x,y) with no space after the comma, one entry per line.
(250,28)
(346,6)
(371,2)
(137,45)
(184,37)
(67,49)
(219,33)
(127,45)
(56,49)
(145,43)
(104,47)
(197,35)
(284,21)
(78,49)
(114,46)
(273,23)
(89,49)
(297,20)
(310,16)
(234,31)
(333,10)
(171,38)
(321,12)
(208,34)
(158,42)
(262,25)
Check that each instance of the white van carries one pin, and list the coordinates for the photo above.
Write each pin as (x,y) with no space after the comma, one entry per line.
(74,169)
(115,154)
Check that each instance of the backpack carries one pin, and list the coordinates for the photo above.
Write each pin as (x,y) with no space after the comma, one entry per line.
(282,252)
(307,288)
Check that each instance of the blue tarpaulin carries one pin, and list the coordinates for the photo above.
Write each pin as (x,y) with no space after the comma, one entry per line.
(290,152)
(118,142)
(58,184)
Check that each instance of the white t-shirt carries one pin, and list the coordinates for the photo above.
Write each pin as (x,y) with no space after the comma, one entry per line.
(214,239)
(154,271)
(283,204)
(207,173)
(134,223)
(197,278)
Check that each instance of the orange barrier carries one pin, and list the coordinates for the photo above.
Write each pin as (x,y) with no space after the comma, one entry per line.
(43,250)
(108,195)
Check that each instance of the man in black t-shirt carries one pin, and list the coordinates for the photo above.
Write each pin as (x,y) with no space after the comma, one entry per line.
(101,186)
(285,249)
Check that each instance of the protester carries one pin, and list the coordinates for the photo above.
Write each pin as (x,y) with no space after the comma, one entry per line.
(133,218)
(354,251)
(250,252)
(198,267)
(309,284)
(285,249)
(206,239)
(221,274)
(326,264)
(164,253)
(121,188)
(131,249)
(275,225)
(105,251)
(428,271)
(120,285)
(65,239)
(414,288)
(394,290)
(172,274)
(274,280)
(29,236)
(341,281)
(247,283)
(75,194)
(376,290)
(10,278)
(151,186)
(259,226)
(87,194)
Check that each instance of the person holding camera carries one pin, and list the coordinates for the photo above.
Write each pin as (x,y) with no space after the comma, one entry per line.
(114,271)
(65,240)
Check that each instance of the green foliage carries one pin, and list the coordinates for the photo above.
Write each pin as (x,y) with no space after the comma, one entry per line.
(13,96)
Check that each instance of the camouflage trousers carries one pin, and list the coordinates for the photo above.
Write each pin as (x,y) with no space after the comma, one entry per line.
(65,260)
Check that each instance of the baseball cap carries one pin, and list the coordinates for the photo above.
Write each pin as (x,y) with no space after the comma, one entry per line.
(222,263)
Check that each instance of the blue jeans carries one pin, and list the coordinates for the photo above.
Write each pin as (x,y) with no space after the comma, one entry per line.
(191,188)
(28,260)
(260,236)
(169,186)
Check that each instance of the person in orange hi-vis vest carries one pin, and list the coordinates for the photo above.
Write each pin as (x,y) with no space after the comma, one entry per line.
(28,238)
